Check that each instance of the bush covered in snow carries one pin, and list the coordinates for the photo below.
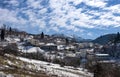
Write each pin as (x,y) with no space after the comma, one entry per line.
(11,49)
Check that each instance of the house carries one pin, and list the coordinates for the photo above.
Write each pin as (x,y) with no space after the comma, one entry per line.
(70,54)
(61,54)
(101,57)
(61,47)
(33,41)
(78,54)
(104,58)
(49,47)
(70,47)
(59,41)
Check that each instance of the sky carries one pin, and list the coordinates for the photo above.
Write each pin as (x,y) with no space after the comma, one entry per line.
(85,18)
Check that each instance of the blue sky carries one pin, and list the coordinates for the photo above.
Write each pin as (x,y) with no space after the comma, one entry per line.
(85,18)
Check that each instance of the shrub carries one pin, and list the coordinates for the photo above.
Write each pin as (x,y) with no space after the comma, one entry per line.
(11,49)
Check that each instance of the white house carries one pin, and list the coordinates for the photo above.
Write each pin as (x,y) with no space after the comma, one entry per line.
(61,47)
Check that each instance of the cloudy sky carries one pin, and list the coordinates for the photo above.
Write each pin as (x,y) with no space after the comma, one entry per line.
(85,18)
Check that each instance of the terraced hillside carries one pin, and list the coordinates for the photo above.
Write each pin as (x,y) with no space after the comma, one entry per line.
(10,66)
(14,66)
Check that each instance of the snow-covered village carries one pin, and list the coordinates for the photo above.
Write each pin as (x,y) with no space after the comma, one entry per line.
(29,55)
(51,56)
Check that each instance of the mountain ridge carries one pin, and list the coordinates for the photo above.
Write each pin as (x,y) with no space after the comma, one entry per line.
(104,39)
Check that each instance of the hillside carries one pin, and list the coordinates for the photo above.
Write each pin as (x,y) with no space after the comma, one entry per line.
(104,39)
(13,66)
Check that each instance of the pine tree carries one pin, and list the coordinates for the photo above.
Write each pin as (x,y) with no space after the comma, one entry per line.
(117,38)
(67,41)
(2,34)
(42,35)
(10,30)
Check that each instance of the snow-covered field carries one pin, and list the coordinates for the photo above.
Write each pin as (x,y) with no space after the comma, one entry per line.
(56,69)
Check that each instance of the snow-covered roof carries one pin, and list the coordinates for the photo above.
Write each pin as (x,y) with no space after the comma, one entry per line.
(71,55)
(50,44)
(35,49)
(16,39)
(102,54)
(30,49)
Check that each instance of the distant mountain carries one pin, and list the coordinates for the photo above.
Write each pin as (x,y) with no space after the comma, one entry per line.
(104,39)
(72,37)
(59,35)
(80,39)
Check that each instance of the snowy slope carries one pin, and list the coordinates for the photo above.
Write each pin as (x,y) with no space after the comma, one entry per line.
(10,66)
(55,69)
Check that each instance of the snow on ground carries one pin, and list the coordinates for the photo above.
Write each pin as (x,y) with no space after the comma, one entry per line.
(30,49)
(34,49)
(56,69)
(12,39)
(4,75)
(16,39)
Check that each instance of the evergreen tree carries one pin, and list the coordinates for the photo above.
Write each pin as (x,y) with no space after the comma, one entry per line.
(2,34)
(42,35)
(10,30)
(67,41)
(117,38)
(115,41)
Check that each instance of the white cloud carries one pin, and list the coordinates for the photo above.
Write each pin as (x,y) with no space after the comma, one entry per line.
(10,18)
(113,9)
(42,11)
(64,12)
(89,34)
(34,4)
(95,3)
(12,2)
(41,23)
(6,15)
(55,28)
(64,15)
